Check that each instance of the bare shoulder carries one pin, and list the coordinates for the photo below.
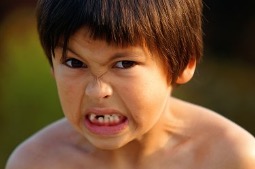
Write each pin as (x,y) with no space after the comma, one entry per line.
(43,149)
(233,145)
(225,143)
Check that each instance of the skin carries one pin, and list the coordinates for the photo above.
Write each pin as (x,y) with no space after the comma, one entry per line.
(161,131)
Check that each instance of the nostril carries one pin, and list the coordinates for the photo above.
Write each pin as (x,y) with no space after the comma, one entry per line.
(107,96)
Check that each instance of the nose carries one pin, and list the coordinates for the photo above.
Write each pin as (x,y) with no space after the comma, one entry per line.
(98,89)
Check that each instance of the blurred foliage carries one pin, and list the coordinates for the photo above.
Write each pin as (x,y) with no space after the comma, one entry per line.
(28,99)
(224,81)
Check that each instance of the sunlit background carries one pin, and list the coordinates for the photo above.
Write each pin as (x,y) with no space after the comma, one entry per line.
(224,81)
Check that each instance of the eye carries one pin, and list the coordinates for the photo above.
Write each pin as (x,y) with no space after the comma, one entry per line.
(125,64)
(74,63)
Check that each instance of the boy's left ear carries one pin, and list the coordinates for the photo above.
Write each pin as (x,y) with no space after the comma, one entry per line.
(187,73)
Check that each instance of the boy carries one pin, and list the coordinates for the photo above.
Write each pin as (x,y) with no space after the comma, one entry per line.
(115,64)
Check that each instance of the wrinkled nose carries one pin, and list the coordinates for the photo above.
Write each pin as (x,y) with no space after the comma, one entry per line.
(98,89)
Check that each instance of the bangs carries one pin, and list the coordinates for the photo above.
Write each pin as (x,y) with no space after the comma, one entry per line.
(113,22)
(121,23)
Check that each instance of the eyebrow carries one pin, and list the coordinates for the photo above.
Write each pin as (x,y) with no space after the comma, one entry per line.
(63,57)
(61,45)
(115,56)
(125,54)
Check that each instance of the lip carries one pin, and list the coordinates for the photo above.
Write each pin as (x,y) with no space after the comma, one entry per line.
(105,130)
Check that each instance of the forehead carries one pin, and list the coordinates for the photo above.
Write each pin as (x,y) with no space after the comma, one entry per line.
(87,36)
(82,38)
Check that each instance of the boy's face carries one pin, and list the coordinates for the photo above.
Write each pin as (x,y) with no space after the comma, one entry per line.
(111,95)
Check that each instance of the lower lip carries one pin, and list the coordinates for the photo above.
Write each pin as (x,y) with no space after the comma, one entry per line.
(106,130)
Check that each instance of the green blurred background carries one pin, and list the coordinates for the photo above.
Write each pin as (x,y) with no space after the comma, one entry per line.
(224,80)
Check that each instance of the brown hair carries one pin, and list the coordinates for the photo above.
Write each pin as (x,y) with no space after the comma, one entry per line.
(171,27)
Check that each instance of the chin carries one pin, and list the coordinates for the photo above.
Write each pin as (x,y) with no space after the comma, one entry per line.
(108,143)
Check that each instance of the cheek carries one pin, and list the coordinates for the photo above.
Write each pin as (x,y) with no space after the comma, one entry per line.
(145,98)
(70,94)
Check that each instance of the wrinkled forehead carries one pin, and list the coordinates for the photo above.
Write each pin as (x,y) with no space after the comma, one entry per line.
(83,38)
(87,36)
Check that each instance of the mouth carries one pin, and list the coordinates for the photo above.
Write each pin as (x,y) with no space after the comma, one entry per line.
(105,123)
(105,119)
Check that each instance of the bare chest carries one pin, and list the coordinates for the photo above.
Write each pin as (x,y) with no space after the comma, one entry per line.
(156,161)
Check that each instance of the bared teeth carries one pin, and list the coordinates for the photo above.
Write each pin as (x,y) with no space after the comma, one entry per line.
(104,119)
(92,117)
(107,119)
(111,119)
(100,120)
(116,118)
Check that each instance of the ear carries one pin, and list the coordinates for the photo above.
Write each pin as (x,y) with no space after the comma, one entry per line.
(187,73)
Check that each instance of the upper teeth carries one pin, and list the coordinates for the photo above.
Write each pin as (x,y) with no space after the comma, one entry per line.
(92,117)
(113,118)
